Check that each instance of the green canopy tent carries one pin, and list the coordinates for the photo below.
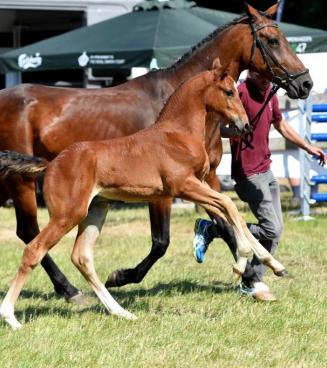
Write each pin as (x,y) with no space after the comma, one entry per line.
(135,39)
(130,40)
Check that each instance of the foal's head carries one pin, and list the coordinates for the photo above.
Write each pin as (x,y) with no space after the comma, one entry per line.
(222,97)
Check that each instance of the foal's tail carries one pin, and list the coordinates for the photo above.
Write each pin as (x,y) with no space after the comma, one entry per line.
(18,163)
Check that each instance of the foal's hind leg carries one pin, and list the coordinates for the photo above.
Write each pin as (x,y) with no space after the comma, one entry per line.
(222,206)
(160,223)
(22,190)
(82,256)
(32,255)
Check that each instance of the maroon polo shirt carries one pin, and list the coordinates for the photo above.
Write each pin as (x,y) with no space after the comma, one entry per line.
(254,158)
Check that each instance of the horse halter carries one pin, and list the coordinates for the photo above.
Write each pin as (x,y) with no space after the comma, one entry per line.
(270,59)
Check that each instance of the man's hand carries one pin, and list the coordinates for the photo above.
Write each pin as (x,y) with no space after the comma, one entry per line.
(316,151)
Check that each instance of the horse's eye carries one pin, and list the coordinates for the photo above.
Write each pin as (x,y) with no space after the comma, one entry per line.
(229,93)
(273,41)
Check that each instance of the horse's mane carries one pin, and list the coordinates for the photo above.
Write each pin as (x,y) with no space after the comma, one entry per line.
(241,19)
(208,38)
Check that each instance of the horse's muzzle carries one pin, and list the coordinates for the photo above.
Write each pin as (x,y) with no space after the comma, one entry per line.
(300,87)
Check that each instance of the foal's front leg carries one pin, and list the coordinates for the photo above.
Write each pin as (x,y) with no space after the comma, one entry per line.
(222,206)
(160,225)
(82,255)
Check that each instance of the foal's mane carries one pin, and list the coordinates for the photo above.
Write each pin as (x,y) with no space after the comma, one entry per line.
(176,95)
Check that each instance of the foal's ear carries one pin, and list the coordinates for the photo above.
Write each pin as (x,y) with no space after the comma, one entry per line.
(216,64)
(272,10)
(216,68)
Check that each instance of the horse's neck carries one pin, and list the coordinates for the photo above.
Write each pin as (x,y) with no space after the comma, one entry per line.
(186,108)
(224,45)
(159,85)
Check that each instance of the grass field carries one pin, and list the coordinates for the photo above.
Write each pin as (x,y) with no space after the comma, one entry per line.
(189,315)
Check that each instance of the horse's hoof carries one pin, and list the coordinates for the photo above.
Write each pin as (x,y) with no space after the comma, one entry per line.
(78,299)
(111,280)
(282,273)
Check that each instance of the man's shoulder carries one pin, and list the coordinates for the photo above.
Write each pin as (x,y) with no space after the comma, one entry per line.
(242,87)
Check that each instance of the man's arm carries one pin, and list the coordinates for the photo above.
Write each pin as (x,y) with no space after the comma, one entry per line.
(291,135)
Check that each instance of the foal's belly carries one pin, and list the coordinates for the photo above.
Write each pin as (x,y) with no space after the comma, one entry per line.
(132,194)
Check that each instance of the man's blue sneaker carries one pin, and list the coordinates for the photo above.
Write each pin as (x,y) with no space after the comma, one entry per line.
(201,239)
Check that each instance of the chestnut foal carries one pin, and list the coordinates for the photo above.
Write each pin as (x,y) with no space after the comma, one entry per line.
(168,159)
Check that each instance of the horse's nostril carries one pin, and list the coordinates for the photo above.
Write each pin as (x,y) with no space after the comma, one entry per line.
(307,84)
(247,127)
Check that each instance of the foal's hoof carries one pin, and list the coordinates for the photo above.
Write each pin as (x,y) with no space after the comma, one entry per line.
(265,296)
(237,273)
(78,299)
(126,315)
(282,273)
(10,319)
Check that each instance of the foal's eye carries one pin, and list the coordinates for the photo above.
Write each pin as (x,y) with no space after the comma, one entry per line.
(229,93)
(273,41)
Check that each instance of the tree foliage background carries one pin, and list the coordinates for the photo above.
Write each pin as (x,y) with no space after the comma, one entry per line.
(303,12)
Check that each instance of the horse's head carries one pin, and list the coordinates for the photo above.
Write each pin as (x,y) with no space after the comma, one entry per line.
(271,55)
(222,97)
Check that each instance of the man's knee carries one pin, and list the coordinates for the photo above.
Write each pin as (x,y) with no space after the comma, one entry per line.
(273,231)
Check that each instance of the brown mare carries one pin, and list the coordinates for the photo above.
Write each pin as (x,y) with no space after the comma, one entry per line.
(42,121)
(168,159)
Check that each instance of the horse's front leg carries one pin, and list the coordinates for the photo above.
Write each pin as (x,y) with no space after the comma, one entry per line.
(222,206)
(160,224)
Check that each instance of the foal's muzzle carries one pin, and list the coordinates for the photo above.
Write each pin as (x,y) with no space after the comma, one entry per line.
(241,127)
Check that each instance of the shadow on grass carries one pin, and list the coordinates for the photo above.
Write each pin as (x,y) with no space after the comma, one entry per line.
(172,289)
(132,299)
(28,294)
(129,299)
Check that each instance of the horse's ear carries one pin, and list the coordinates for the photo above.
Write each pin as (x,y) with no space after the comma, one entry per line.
(251,11)
(272,10)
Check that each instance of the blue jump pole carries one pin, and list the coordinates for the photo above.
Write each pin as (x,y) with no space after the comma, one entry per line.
(319,137)
(319,197)
(319,108)
(319,118)
(319,179)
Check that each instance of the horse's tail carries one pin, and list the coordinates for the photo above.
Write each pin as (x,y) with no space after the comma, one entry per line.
(18,163)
